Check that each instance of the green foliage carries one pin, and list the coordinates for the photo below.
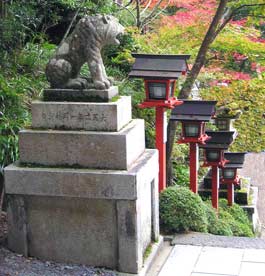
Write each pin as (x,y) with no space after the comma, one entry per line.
(237,227)
(120,57)
(234,40)
(20,82)
(26,19)
(12,117)
(236,212)
(135,89)
(215,225)
(249,97)
(19,22)
(252,10)
(181,174)
(181,210)
(96,6)
(236,218)
(171,40)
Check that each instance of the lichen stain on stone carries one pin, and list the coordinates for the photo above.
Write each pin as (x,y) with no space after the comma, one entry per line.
(130,230)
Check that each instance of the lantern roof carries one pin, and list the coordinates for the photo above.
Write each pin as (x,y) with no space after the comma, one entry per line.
(236,159)
(151,66)
(192,110)
(219,139)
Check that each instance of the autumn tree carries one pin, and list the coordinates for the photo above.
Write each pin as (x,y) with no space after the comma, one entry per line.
(225,12)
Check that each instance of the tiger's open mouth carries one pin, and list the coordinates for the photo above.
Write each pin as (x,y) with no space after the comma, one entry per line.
(118,38)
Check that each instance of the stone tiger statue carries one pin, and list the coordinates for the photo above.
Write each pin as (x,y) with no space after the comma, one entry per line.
(84,44)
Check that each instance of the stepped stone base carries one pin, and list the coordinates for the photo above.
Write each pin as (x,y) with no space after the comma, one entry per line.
(84,116)
(85,190)
(100,218)
(100,150)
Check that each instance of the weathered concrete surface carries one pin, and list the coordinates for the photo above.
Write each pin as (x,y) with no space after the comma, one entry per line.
(112,232)
(78,95)
(82,116)
(100,150)
(17,224)
(67,230)
(254,167)
(84,183)
(130,247)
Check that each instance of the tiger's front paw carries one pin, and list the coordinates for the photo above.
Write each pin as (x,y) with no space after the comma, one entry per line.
(101,85)
(78,83)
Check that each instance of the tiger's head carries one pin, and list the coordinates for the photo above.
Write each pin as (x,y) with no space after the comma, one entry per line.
(106,28)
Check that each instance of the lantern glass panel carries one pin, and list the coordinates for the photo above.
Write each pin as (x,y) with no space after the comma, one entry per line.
(212,155)
(157,90)
(222,124)
(191,130)
(229,173)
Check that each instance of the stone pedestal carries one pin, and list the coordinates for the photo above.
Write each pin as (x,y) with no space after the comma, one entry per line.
(85,189)
(74,95)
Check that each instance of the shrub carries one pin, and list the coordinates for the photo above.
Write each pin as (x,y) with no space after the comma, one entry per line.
(215,225)
(12,117)
(120,56)
(221,227)
(241,229)
(181,210)
(238,214)
(236,218)
(19,84)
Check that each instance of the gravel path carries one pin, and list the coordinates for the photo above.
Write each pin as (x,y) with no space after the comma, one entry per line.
(12,264)
(202,239)
(16,265)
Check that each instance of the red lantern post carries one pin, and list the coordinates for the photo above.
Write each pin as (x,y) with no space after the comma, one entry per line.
(214,157)
(160,73)
(161,99)
(193,115)
(229,173)
(215,186)
(194,157)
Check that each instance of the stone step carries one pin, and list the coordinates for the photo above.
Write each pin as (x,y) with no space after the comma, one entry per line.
(241,192)
(239,197)
(111,116)
(88,149)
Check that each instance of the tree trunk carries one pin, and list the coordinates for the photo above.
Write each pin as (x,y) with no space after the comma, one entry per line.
(3,10)
(171,133)
(200,59)
(190,80)
(138,19)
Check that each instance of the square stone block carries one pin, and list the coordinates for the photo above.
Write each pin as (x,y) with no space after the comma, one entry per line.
(92,217)
(82,183)
(88,149)
(111,116)
(77,95)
